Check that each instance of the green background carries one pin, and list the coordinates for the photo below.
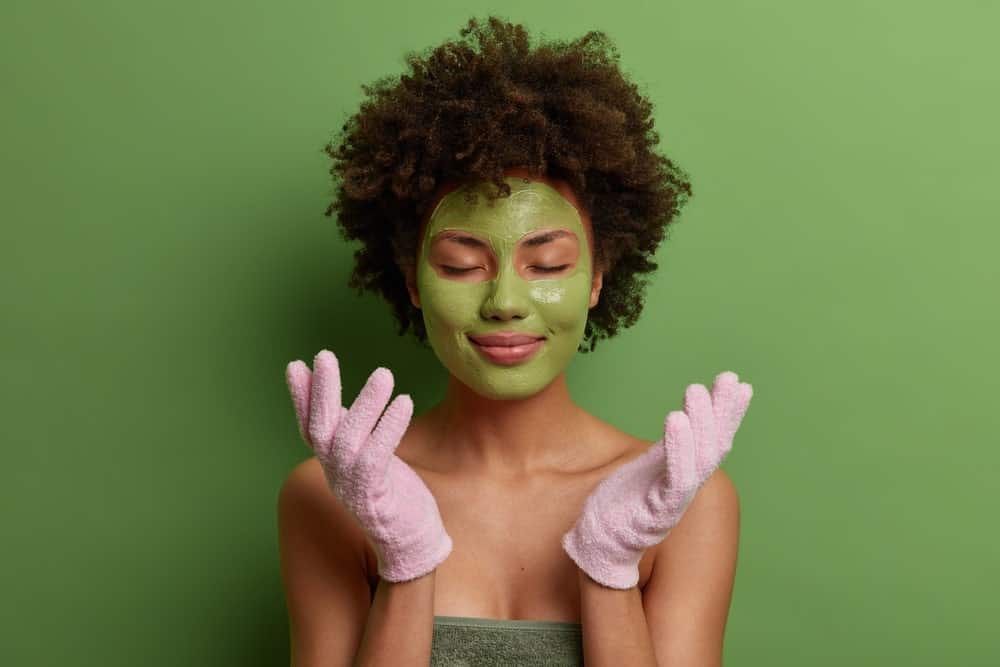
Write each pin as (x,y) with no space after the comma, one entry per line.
(164,255)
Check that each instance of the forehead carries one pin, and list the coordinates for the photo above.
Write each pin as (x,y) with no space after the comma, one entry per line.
(531,206)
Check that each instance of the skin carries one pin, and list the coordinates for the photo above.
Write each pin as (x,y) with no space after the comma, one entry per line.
(503,467)
(527,274)
(506,421)
(472,432)
(509,437)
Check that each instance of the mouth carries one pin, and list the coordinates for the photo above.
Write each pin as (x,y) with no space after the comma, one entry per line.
(507,349)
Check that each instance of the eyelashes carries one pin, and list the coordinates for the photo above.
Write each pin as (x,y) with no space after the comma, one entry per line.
(454,270)
(451,270)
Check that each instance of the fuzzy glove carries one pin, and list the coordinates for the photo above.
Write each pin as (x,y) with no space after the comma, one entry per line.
(636,506)
(389,500)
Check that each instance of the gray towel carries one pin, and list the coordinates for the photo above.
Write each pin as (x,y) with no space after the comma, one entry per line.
(461,641)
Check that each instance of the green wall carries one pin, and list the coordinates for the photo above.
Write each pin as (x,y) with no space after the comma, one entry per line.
(164,254)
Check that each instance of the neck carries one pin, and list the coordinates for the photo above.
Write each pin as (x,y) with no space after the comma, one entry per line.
(508,438)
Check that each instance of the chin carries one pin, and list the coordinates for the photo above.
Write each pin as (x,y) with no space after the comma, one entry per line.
(512,388)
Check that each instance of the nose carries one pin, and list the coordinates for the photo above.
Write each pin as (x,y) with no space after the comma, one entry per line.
(508,296)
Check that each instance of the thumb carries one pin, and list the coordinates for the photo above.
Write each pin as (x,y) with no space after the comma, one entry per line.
(298,378)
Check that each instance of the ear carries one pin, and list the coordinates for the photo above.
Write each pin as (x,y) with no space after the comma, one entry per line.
(595,287)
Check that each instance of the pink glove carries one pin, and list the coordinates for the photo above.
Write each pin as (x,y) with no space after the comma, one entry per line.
(636,506)
(389,500)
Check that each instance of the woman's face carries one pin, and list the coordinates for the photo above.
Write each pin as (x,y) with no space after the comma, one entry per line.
(515,265)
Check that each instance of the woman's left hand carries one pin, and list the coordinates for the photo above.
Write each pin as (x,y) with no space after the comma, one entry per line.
(636,506)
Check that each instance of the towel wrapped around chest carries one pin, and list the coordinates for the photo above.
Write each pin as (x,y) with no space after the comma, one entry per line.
(461,641)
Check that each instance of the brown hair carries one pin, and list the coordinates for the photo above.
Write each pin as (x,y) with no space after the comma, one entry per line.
(488,101)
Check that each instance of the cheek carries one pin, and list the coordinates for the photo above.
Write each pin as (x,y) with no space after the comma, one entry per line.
(563,304)
(451,304)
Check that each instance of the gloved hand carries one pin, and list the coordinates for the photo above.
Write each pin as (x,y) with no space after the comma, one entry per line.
(636,506)
(389,500)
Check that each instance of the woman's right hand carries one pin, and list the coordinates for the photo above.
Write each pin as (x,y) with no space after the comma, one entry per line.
(390,501)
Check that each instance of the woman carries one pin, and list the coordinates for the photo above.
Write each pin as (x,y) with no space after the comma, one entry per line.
(508,201)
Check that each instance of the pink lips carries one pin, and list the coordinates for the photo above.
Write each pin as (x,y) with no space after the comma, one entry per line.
(507,348)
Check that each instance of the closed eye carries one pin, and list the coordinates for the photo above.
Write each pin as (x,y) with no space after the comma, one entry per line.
(454,270)
(549,269)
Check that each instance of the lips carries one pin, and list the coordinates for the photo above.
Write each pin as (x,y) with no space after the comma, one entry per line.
(505,339)
(507,349)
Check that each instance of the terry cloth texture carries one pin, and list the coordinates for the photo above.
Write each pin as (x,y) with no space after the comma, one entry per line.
(461,641)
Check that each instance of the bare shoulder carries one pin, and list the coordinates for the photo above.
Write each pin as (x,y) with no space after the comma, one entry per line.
(306,489)
(709,524)
(307,502)
(718,492)
(621,447)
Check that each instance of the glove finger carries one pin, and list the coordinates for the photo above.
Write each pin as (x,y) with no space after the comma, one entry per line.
(678,440)
(723,397)
(708,449)
(324,400)
(744,394)
(360,419)
(741,401)
(297,377)
(373,459)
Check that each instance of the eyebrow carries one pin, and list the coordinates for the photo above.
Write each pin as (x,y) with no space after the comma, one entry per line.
(546,237)
(470,241)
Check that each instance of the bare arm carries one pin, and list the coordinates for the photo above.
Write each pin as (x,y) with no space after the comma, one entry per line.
(679,619)
(400,624)
(690,587)
(333,619)
(614,626)
(323,571)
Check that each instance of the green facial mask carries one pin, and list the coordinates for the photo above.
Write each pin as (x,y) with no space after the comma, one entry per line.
(506,291)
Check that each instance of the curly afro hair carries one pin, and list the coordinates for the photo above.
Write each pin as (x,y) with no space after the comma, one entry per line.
(489,101)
